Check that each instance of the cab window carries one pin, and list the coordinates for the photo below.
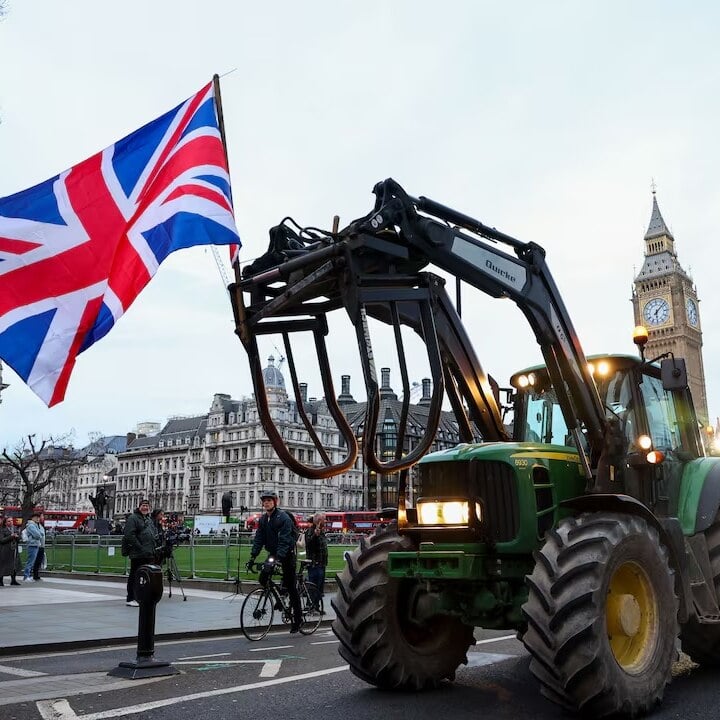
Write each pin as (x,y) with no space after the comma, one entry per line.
(662,420)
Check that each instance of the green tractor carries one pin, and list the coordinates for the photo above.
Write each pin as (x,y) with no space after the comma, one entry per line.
(590,525)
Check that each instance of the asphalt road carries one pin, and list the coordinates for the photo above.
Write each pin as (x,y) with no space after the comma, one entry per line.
(291,677)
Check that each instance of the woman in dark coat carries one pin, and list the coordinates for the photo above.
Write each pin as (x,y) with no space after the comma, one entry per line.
(9,539)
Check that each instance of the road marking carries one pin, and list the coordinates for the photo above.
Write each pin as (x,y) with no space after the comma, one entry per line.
(270,668)
(7,670)
(497,639)
(480,659)
(200,657)
(48,687)
(55,709)
(61,709)
(276,647)
(325,642)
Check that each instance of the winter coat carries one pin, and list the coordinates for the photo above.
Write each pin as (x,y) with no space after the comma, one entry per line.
(35,534)
(316,547)
(275,534)
(140,536)
(9,561)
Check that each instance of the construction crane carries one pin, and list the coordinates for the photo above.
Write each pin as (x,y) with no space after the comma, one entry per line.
(220,266)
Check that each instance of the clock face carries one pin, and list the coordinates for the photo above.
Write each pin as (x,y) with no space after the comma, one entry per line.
(692,312)
(656,311)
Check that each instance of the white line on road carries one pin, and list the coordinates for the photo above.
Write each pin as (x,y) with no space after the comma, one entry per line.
(325,642)
(60,709)
(497,639)
(275,647)
(7,670)
(200,657)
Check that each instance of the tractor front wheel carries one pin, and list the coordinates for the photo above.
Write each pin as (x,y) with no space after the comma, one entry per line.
(602,615)
(378,638)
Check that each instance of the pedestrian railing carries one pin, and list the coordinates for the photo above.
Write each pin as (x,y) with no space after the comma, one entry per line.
(218,557)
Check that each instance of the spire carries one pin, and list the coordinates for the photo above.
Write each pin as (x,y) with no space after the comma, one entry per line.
(657,226)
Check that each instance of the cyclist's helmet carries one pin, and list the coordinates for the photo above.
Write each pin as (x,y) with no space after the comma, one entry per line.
(269,495)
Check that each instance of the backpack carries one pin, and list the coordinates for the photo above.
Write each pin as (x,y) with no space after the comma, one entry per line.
(24,535)
(296,532)
(297,535)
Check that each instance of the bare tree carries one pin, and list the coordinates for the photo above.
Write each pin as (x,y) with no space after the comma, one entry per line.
(35,467)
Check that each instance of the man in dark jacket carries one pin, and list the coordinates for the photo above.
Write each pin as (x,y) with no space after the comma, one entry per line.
(275,534)
(139,543)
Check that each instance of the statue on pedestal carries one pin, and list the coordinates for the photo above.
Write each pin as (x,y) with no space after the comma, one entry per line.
(99,502)
(227,504)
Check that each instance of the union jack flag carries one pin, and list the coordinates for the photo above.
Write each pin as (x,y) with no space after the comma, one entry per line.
(76,250)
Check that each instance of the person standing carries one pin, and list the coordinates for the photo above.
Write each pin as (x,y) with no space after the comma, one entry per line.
(275,534)
(158,518)
(139,543)
(35,540)
(9,539)
(316,549)
(40,557)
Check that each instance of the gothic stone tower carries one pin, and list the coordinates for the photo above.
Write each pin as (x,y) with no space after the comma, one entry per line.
(665,301)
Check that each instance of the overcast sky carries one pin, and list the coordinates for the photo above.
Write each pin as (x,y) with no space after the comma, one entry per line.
(547,120)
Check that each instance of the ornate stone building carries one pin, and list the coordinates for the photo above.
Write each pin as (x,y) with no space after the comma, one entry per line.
(665,301)
(192,462)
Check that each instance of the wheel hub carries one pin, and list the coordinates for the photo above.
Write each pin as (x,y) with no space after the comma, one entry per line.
(631,616)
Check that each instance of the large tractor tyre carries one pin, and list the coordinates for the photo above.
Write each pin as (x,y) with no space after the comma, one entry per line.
(602,615)
(701,641)
(382,645)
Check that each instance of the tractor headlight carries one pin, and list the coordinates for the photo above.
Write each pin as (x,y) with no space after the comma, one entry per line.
(446,512)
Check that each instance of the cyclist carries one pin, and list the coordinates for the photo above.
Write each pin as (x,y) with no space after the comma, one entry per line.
(275,534)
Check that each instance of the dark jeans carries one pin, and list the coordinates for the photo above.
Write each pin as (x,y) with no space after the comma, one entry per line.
(290,583)
(135,563)
(316,575)
(38,563)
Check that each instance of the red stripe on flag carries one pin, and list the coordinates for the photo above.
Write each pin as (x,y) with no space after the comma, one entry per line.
(86,322)
(205,150)
(198,190)
(172,141)
(18,247)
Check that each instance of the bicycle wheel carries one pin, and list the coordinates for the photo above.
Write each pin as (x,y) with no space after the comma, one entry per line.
(256,614)
(312,608)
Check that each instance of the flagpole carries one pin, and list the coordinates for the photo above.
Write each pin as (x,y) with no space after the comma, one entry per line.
(241,328)
(221,126)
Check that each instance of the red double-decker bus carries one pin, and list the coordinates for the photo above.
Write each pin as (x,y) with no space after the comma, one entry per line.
(252,520)
(353,521)
(57,520)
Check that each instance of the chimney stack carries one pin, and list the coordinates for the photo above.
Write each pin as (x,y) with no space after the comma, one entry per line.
(426,392)
(345,398)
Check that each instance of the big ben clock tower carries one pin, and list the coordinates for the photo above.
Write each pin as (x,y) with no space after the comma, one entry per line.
(665,301)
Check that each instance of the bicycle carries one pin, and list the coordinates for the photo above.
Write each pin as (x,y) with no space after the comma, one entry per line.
(258,608)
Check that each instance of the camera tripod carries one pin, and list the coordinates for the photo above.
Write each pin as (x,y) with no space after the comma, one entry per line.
(173,573)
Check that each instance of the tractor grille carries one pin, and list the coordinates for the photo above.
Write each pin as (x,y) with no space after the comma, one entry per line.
(495,483)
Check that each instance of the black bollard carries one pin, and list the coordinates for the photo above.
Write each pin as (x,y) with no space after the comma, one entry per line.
(148,592)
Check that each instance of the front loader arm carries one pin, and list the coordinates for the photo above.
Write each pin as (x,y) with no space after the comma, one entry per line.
(373,268)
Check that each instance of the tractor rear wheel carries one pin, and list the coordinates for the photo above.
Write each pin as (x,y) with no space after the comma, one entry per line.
(378,638)
(702,641)
(602,615)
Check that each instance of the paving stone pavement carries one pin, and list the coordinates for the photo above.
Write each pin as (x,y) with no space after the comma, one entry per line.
(67,612)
